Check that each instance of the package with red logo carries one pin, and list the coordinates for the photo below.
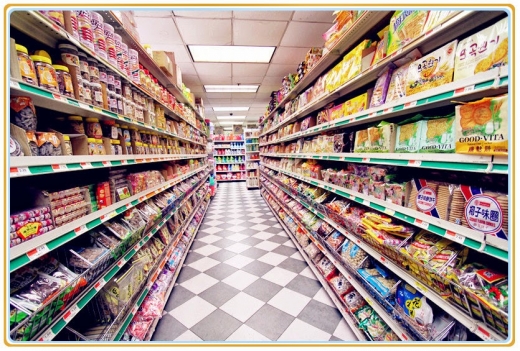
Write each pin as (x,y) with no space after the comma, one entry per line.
(484,211)
(425,246)
(430,197)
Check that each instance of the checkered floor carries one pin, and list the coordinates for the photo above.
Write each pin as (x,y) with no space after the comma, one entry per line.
(244,280)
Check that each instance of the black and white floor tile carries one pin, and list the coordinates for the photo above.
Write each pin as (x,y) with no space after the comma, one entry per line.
(244,280)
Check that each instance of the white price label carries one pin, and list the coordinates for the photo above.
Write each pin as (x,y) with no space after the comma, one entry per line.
(21,171)
(388,110)
(81,229)
(465,90)
(134,310)
(38,252)
(59,97)
(433,31)
(389,211)
(71,313)
(82,105)
(121,262)
(383,260)
(13,84)
(108,216)
(366,159)
(484,334)
(128,206)
(369,301)
(106,163)
(137,247)
(397,53)
(124,162)
(455,237)
(99,285)
(421,223)
(47,336)
(410,104)
(366,202)
(414,163)
(372,114)
(59,167)
(86,165)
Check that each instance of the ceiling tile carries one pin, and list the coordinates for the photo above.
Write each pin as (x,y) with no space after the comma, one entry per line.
(247,80)
(187,68)
(275,80)
(304,34)
(212,80)
(213,69)
(264,15)
(157,31)
(196,89)
(261,102)
(258,33)
(181,54)
(190,79)
(287,56)
(276,70)
(313,16)
(243,96)
(249,69)
(268,89)
(215,31)
(218,101)
(218,95)
(203,14)
(242,102)
(152,13)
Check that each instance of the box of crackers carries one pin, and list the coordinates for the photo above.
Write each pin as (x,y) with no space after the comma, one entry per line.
(481,127)
(482,51)
(437,135)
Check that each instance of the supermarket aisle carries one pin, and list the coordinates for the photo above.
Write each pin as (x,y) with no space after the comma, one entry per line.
(245,281)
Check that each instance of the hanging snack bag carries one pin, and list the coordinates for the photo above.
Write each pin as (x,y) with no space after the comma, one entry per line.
(436,18)
(432,70)
(431,198)
(405,25)
(438,135)
(482,51)
(354,301)
(481,127)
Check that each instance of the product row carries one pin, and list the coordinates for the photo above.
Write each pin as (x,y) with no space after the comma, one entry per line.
(230,168)
(231,137)
(228,152)
(231,176)
(463,278)
(229,159)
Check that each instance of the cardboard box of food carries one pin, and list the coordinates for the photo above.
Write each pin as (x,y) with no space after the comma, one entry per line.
(382,137)
(437,135)
(408,136)
(361,143)
(482,51)
(355,105)
(164,62)
(481,127)
(352,63)
(405,25)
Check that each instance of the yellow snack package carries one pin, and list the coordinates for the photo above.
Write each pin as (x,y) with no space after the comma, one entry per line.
(405,25)
(352,62)
(382,137)
(355,105)
(361,143)
(436,18)
(481,127)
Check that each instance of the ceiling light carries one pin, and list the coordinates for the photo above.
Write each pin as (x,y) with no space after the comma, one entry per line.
(231,88)
(219,109)
(229,123)
(227,128)
(215,53)
(231,117)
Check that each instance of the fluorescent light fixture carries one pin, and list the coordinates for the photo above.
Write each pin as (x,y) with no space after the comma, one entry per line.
(231,117)
(231,88)
(220,109)
(228,128)
(228,53)
(229,123)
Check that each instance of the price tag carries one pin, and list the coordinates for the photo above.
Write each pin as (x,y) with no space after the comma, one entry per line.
(20,171)
(129,205)
(414,163)
(37,252)
(97,109)
(47,336)
(85,165)
(106,163)
(71,313)
(484,334)
(383,260)
(80,230)
(124,162)
(455,237)
(358,241)
(397,53)
(366,202)
(14,84)
(389,211)
(404,336)
(410,104)
(369,301)
(134,310)
(421,224)
(121,263)
(420,287)
(120,117)
(100,284)
(59,167)
(464,90)
(365,159)
(372,114)
(82,105)
(59,97)
(432,31)
(137,247)
(388,110)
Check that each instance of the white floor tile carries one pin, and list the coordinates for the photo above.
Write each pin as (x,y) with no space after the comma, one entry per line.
(289,301)
(239,261)
(246,334)
(236,221)
(307,272)
(214,222)
(267,245)
(209,239)
(279,276)
(297,256)
(257,220)
(204,264)
(240,280)
(263,235)
(272,258)
(188,336)
(199,283)
(212,230)
(238,247)
(260,227)
(289,243)
(344,332)
(242,306)
(215,216)
(323,297)
(236,228)
(301,331)
(237,237)
(207,250)
(192,311)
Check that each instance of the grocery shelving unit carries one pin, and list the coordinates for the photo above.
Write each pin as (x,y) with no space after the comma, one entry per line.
(252,158)
(226,150)
(277,158)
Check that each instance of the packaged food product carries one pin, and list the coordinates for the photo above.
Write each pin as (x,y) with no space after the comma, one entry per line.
(335,240)
(86,257)
(46,73)
(354,301)
(426,245)
(436,18)
(93,128)
(397,86)
(27,70)
(482,51)
(382,47)
(405,25)
(364,313)
(381,88)
(361,142)
(340,284)
(97,94)
(87,91)
(312,250)
(67,145)
(429,197)
(481,127)
(86,36)
(352,62)
(408,135)
(432,70)
(69,54)
(437,135)
(355,105)
(414,304)
(23,113)
(326,267)
(64,80)
(41,290)
(84,66)
(352,254)
(382,137)
(14,147)
(98,34)
(48,144)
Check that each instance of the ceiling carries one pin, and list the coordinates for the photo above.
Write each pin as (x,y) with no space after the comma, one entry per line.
(293,33)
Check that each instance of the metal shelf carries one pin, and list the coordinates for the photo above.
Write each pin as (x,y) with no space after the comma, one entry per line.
(56,102)
(474,326)
(89,294)
(28,251)
(451,162)
(453,28)
(228,141)
(470,238)
(37,165)
(242,170)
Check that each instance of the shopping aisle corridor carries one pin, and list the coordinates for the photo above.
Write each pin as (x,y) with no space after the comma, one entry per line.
(244,280)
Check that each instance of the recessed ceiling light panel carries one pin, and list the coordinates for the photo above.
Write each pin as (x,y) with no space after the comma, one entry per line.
(231,88)
(227,53)
(234,108)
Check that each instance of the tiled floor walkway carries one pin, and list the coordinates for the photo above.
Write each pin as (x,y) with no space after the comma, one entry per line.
(244,280)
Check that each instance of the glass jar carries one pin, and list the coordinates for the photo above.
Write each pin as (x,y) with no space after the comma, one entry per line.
(127,90)
(111,80)
(76,125)
(83,66)
(45,72)
(126,133)
(87,91)
(110,129)
(85,29)
(134,134)
(103,78)
(112,101)
(116,147)
(146,149)
(64,80)
(67,145)
(69,54)
(100,147)
(120,104)
(160,150)
(98,34)
(135,95)
(97,94)
(127,107)
(26,65)
(93,128)
(117,84)
(128,147)
(139,114)
(93,70)
(92,146)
